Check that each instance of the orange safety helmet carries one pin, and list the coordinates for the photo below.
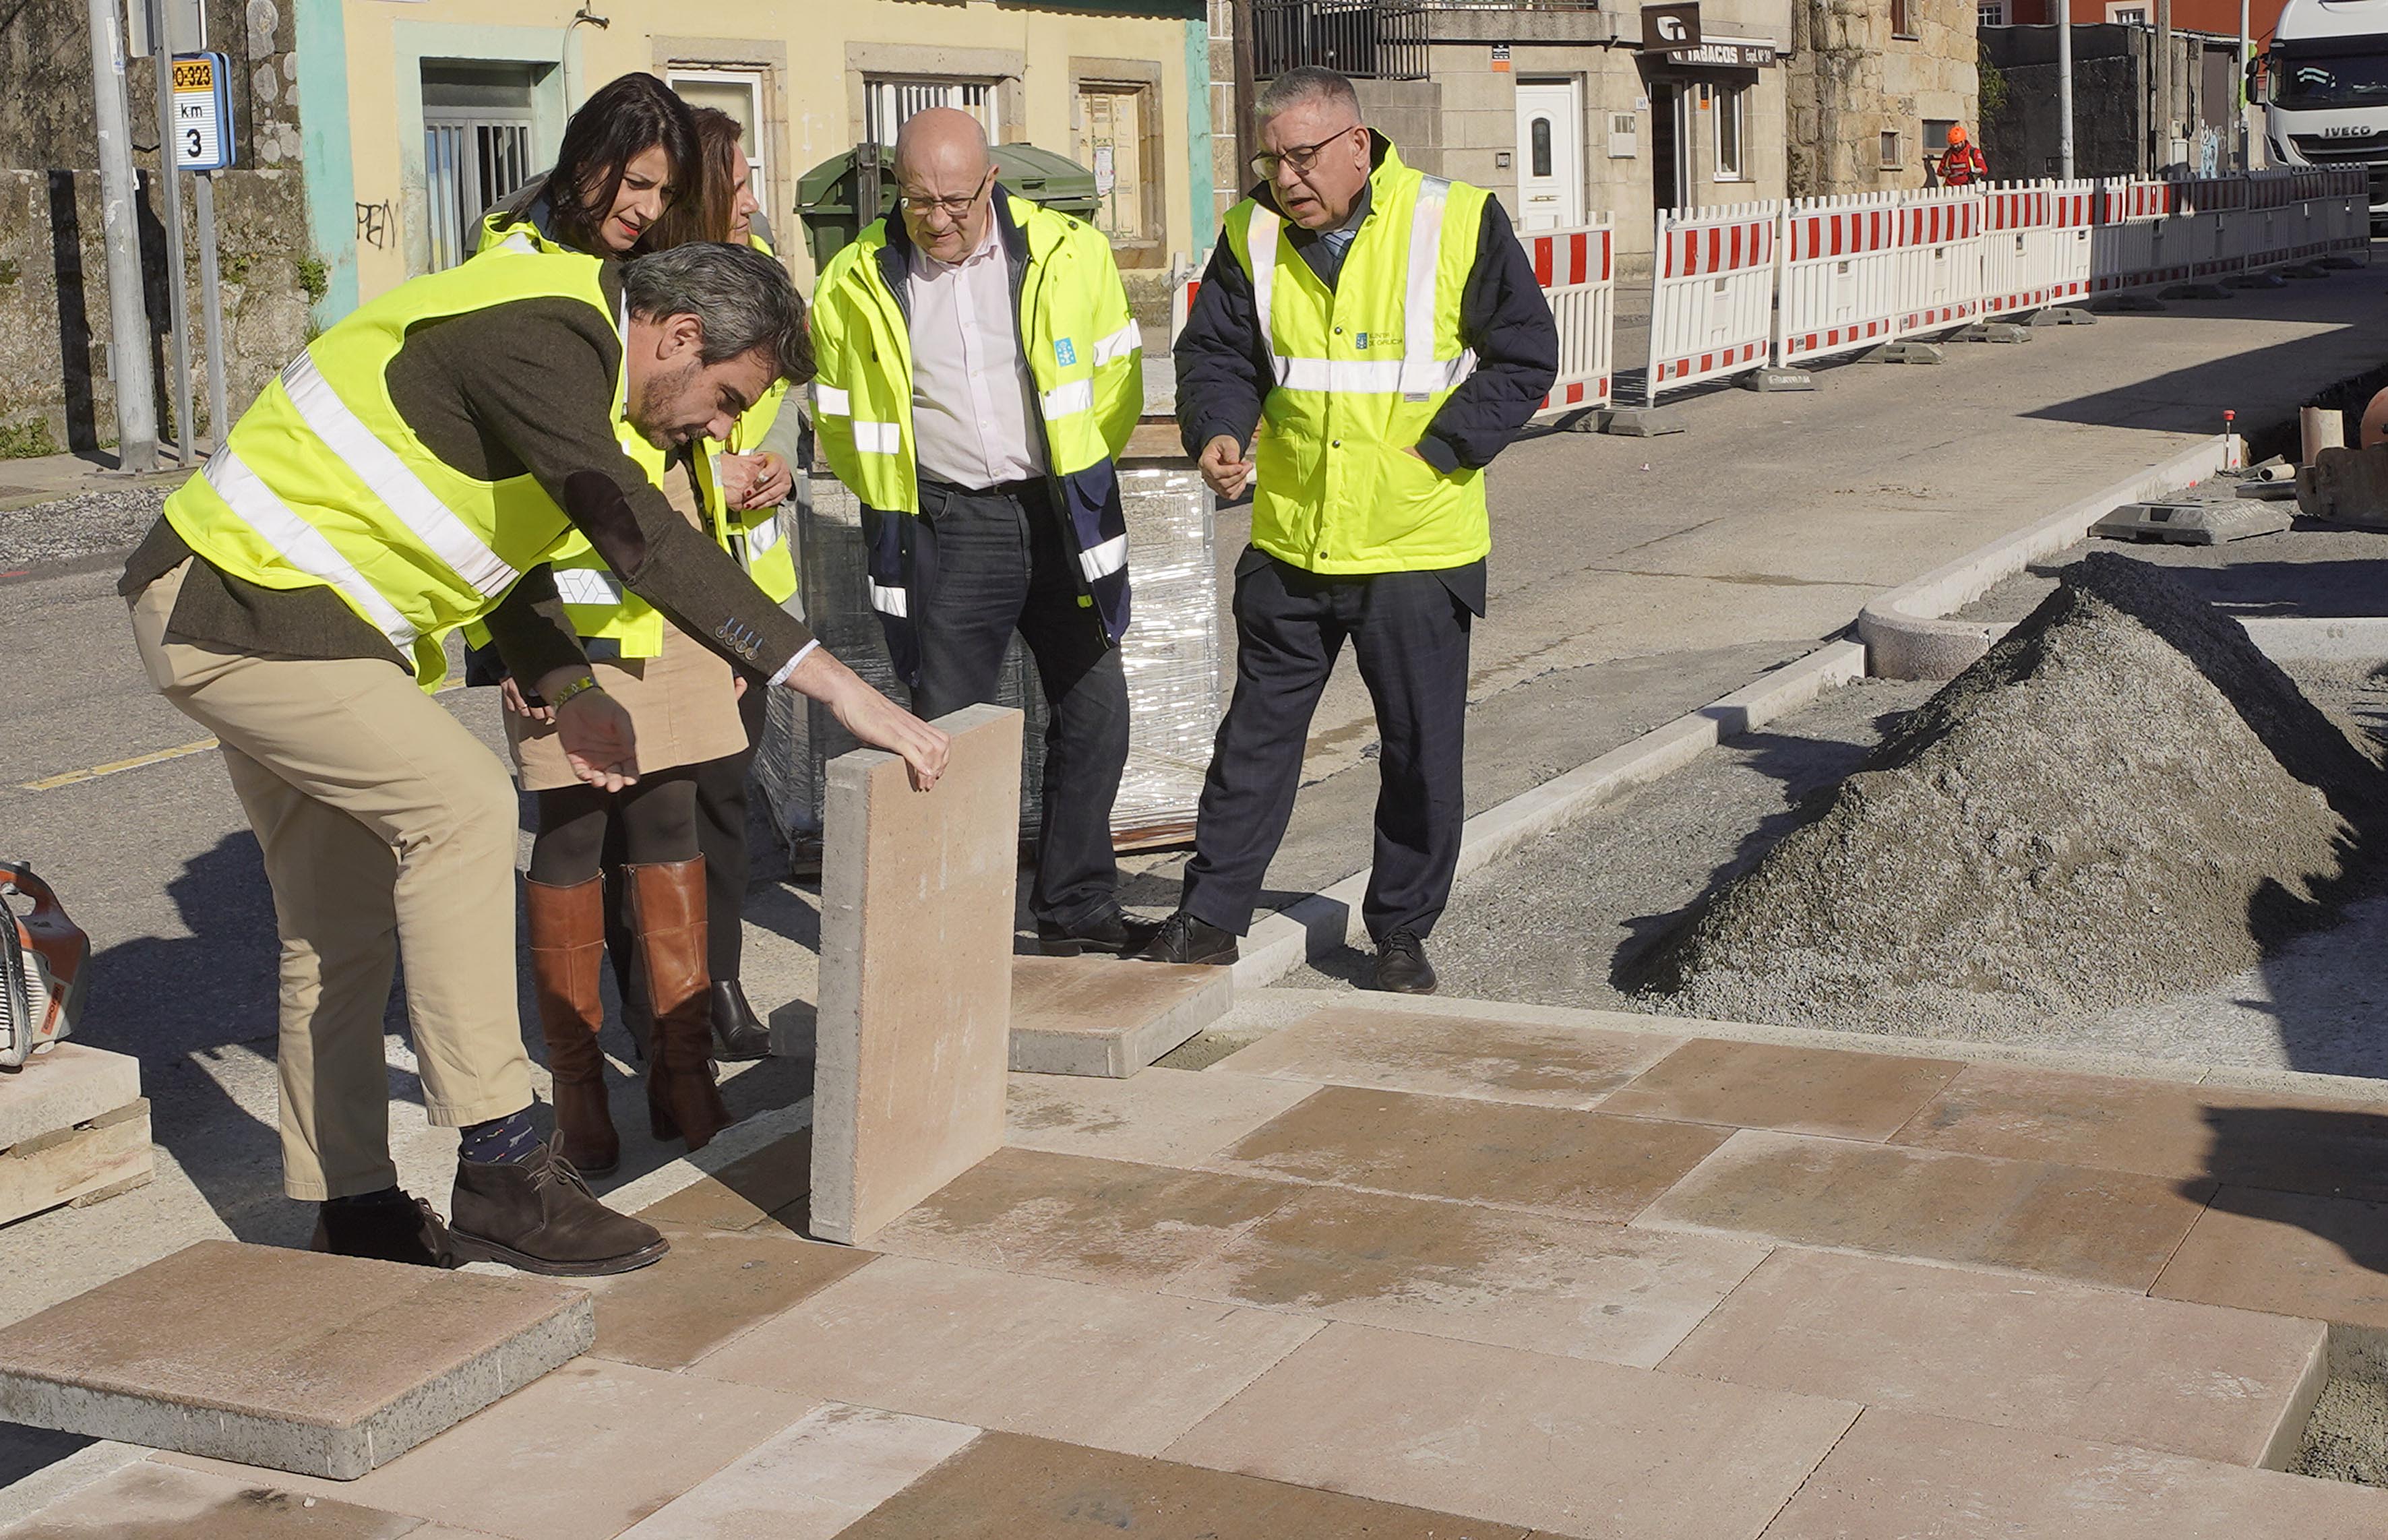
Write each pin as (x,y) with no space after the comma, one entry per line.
(1956,134)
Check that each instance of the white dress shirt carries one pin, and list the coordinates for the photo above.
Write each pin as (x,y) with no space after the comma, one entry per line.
(972,400)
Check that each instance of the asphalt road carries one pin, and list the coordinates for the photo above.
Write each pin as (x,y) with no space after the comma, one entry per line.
(1633,581)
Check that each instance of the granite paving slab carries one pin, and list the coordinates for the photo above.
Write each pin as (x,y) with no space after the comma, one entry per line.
(1073,1216)
(1454,1055)
(712,1286)
(745,1193)
(322,1365)
(1559,1444)
(2056,1358)
(1898,1476)
(1795,1091)
(1103,1016)
(72,1083)
(2247,1138)
(1583,1165)
(2292,1252)
(1163,1116)
(810,1482)
(147,1500)
(1072,1361)
(584,1454)
(1008,1487)
(1526,1280)
(2116,1228)
(916,894)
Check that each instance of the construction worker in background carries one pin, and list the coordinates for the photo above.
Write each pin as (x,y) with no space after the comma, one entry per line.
(1962,164)
(409,473)
(1366,339)
(979,373)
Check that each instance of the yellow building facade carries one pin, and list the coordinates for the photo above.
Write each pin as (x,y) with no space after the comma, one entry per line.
(439,107)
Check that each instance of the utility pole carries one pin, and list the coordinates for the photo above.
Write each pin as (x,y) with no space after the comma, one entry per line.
(128,317)
(2162,156)
(1248,142)
(2239,95)
(2064,89)
(170,186)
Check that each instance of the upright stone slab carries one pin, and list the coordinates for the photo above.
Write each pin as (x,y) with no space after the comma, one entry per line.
(325,1366)
(918,891)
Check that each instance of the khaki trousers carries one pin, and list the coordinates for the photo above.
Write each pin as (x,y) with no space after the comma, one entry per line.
(388,830)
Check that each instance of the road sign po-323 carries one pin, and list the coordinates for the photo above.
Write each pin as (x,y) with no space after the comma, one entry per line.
(202,112)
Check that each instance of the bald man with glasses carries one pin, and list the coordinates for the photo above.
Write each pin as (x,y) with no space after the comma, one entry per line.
(978,375)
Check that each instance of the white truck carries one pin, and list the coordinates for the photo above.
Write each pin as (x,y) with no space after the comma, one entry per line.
(2326,90)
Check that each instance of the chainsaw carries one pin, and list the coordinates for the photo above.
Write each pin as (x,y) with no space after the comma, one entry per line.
(42,959)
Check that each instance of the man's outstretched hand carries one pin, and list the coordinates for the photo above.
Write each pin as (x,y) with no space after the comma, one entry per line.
(595,733)
(871,717)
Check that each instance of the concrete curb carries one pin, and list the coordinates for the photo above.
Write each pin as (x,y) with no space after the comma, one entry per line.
(1323,920)
(2124,1066)
(1902,631)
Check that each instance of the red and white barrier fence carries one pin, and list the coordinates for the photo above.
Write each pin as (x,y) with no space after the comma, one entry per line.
(1840,276)
(1577,268)
(1713,294)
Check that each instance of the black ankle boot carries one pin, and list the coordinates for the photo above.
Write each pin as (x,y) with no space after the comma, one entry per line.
(539,1216)
(396,1228)
(738,1033)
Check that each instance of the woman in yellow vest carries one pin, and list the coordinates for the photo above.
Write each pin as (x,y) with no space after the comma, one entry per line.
(686,705)
(752,476)
(683,701)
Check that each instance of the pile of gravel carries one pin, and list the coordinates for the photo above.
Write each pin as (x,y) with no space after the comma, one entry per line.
(2124,799)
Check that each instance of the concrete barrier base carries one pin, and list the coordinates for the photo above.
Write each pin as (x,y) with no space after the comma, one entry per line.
(1642,421)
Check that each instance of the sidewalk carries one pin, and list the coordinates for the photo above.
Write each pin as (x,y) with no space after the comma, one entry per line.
(1446,1269)
(48,477)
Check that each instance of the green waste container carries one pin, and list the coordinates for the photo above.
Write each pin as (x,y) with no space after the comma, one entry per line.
(827,195)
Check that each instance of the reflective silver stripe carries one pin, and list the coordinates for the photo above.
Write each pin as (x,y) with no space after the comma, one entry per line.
(387,476)
(1260,239)
(1372,376)
(622,329)
(888,601)
(762,537)
(878,438)
(586,585)
(1125,340)
(832,401)
(1104,559)
(520,241)
(302,545)
(1417,304)
(1066,400)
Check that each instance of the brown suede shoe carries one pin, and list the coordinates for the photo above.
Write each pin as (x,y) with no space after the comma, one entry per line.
(401,1230)
(567,948)
(538,1215)
(667,906)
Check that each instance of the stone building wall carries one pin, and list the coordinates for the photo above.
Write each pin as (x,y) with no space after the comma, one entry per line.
(1852,80)
(56,392)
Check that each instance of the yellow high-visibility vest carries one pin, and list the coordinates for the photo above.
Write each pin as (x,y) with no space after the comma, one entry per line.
(1361,370)
(321,483)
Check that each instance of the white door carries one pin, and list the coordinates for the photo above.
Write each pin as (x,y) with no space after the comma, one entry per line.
(1550,154)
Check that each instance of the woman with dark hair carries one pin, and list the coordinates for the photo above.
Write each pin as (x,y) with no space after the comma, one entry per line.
(629,156)
(752,476)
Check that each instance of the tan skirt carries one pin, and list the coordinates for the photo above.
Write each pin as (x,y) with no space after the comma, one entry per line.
(682,703)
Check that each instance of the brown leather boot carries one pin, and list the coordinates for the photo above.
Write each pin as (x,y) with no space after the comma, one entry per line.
(567,948)
(667,906)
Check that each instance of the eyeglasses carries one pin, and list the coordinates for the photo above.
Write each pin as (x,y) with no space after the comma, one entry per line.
(1300,156)
(952,208)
